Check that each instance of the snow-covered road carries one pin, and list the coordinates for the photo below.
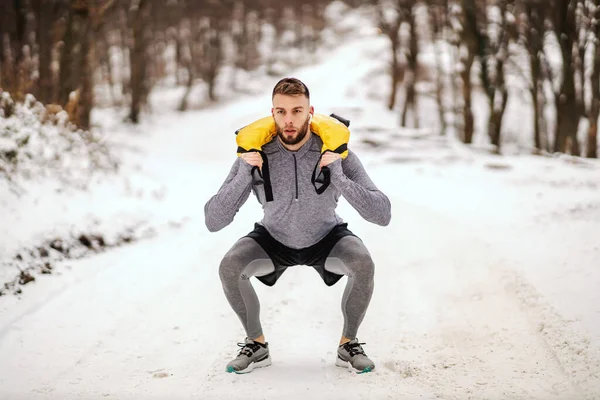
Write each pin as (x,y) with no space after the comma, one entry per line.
(150,321)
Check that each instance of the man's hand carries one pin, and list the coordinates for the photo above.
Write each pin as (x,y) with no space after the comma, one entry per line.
(328,158)
(252,158)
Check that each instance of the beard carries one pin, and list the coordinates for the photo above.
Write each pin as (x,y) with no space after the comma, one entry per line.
(300,133)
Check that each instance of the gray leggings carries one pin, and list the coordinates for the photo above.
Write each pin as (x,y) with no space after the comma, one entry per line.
(246,258)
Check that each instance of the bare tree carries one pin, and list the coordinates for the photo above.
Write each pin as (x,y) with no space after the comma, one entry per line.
(468,43)
(139,16)
(582,23)
(438,21)
(69,74)
(568,112)
(411,54)
(532,36)
(45,16)
(493,56)
(13,26)
(185,58)
(210,47)
(594,111)
(390,18)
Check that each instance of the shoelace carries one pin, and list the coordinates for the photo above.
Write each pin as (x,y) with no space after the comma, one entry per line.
(248,349)
(354,349)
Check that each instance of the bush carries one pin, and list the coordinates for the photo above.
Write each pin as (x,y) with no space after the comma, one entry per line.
(40,142)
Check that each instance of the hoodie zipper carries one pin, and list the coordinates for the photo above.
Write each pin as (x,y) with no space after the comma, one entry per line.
(296,174)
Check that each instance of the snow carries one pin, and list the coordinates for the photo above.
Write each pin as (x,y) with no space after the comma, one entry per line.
(486,280)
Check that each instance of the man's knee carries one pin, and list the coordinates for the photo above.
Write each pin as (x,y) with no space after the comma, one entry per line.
(245,259)
(352,252)
(235,260)
(363,265)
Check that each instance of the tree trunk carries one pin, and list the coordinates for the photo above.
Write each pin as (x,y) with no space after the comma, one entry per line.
(391,30)
(439,92)
(67,81)
(86,97)
(179,50)
(567,121)
(412,66)
(410,101)
(470,41)
(498,87)
(12,69)
(454,77)
(537,139)
(138,60)
(567,108)
(3,28)
(534,65)
(44,18)
(188,61)
(188,89)
(592,136)
(533,33)
(437,22)
(592,140)
(469,123)
(215,56)
(2,53)
(105,57)
(396,72)
(495,122)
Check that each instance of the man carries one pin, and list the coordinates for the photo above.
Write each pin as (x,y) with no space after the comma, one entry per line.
(299,227)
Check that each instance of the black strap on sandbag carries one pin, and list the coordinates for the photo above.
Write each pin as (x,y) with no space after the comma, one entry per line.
(325,171)
(262,172)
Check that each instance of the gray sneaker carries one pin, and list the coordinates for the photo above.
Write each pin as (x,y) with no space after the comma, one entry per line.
(252,355)
(352,356)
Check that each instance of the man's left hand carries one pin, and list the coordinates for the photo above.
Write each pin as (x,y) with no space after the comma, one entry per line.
(328,158)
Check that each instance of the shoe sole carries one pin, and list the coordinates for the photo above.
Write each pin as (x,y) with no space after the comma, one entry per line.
(346,364)
(259,364)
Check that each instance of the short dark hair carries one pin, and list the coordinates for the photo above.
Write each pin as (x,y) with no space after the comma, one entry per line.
(291,87)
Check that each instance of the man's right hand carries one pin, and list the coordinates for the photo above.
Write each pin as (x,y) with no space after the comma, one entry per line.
(252,158)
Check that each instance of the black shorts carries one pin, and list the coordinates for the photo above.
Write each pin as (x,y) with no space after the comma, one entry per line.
(284,257)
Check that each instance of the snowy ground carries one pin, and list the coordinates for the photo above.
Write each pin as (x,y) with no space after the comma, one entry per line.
(486,283)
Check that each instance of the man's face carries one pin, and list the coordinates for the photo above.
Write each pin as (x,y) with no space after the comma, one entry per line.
(291,114)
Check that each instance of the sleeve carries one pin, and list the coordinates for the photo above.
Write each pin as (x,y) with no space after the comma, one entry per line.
(350,177)
(220,210)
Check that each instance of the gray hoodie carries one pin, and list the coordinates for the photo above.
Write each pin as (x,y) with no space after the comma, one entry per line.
(298,217)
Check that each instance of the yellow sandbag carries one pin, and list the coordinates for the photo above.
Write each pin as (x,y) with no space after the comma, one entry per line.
(333,133)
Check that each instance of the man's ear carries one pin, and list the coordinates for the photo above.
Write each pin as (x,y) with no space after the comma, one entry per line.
(272,111)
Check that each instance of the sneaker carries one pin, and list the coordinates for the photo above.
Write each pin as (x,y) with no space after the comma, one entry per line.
(352,356)
(252,355)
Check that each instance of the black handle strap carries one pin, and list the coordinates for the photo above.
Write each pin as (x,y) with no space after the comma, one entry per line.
(325,171)
(264,174)
(266,177)
(324,181)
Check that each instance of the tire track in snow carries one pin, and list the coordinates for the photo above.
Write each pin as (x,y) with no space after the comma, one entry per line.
(457,328)
(577,356)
